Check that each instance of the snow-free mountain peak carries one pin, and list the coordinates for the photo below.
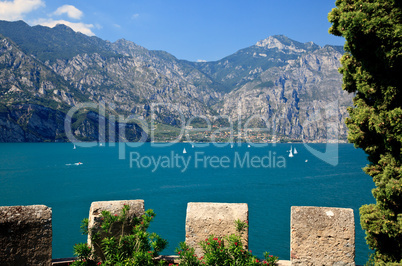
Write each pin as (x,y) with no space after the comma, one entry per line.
(284,43)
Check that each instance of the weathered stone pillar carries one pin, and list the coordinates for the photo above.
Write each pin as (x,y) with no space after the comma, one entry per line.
(204,219)
(114,207)
(26,235)
(322,236)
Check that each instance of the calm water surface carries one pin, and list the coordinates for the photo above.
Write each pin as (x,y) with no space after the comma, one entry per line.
(40,173)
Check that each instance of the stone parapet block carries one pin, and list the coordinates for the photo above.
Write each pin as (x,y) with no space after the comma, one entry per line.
(204,219)
(26,235)
(322,236)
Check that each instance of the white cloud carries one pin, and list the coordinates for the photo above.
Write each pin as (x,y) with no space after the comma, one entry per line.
(14,10)
(201,60)
(76,26)
(135,16)
(71,11)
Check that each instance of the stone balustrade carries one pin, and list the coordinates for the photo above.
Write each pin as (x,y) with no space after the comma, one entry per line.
(319,235)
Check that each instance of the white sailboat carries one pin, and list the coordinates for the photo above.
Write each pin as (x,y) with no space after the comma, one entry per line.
(294,151)
(74,147)
(184,151)
(290,152)
(231,145)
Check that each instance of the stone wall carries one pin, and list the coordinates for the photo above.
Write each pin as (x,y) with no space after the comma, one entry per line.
(322,236)
(25,235)
(319,235)
(204,219)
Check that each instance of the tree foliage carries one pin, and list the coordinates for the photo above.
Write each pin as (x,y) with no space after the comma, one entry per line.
(372,69)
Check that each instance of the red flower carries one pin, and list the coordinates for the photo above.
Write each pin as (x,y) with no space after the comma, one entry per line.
(235,243)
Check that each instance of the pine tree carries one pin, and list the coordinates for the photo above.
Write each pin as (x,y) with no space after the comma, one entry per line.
(372,70)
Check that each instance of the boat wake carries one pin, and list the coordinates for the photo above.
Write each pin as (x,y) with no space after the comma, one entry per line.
(79,163)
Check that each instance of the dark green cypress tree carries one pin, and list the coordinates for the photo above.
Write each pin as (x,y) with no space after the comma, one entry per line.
(372,69)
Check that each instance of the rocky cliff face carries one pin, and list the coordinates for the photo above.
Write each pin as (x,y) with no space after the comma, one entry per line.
(31,123)
(22,77)
(35,100)
(291,88)
(132,84)
(296,99)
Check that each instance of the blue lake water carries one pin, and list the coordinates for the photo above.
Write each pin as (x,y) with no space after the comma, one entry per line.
(263,177)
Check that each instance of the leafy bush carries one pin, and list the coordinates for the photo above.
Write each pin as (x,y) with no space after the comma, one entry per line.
(224,251)
(115,246)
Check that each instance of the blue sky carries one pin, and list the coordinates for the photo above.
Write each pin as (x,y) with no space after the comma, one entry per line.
(189,29)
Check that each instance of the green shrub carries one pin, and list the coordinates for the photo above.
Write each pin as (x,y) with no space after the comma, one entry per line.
(223,251)
(117,247)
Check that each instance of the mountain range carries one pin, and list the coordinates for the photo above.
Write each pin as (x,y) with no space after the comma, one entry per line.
(283,88)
